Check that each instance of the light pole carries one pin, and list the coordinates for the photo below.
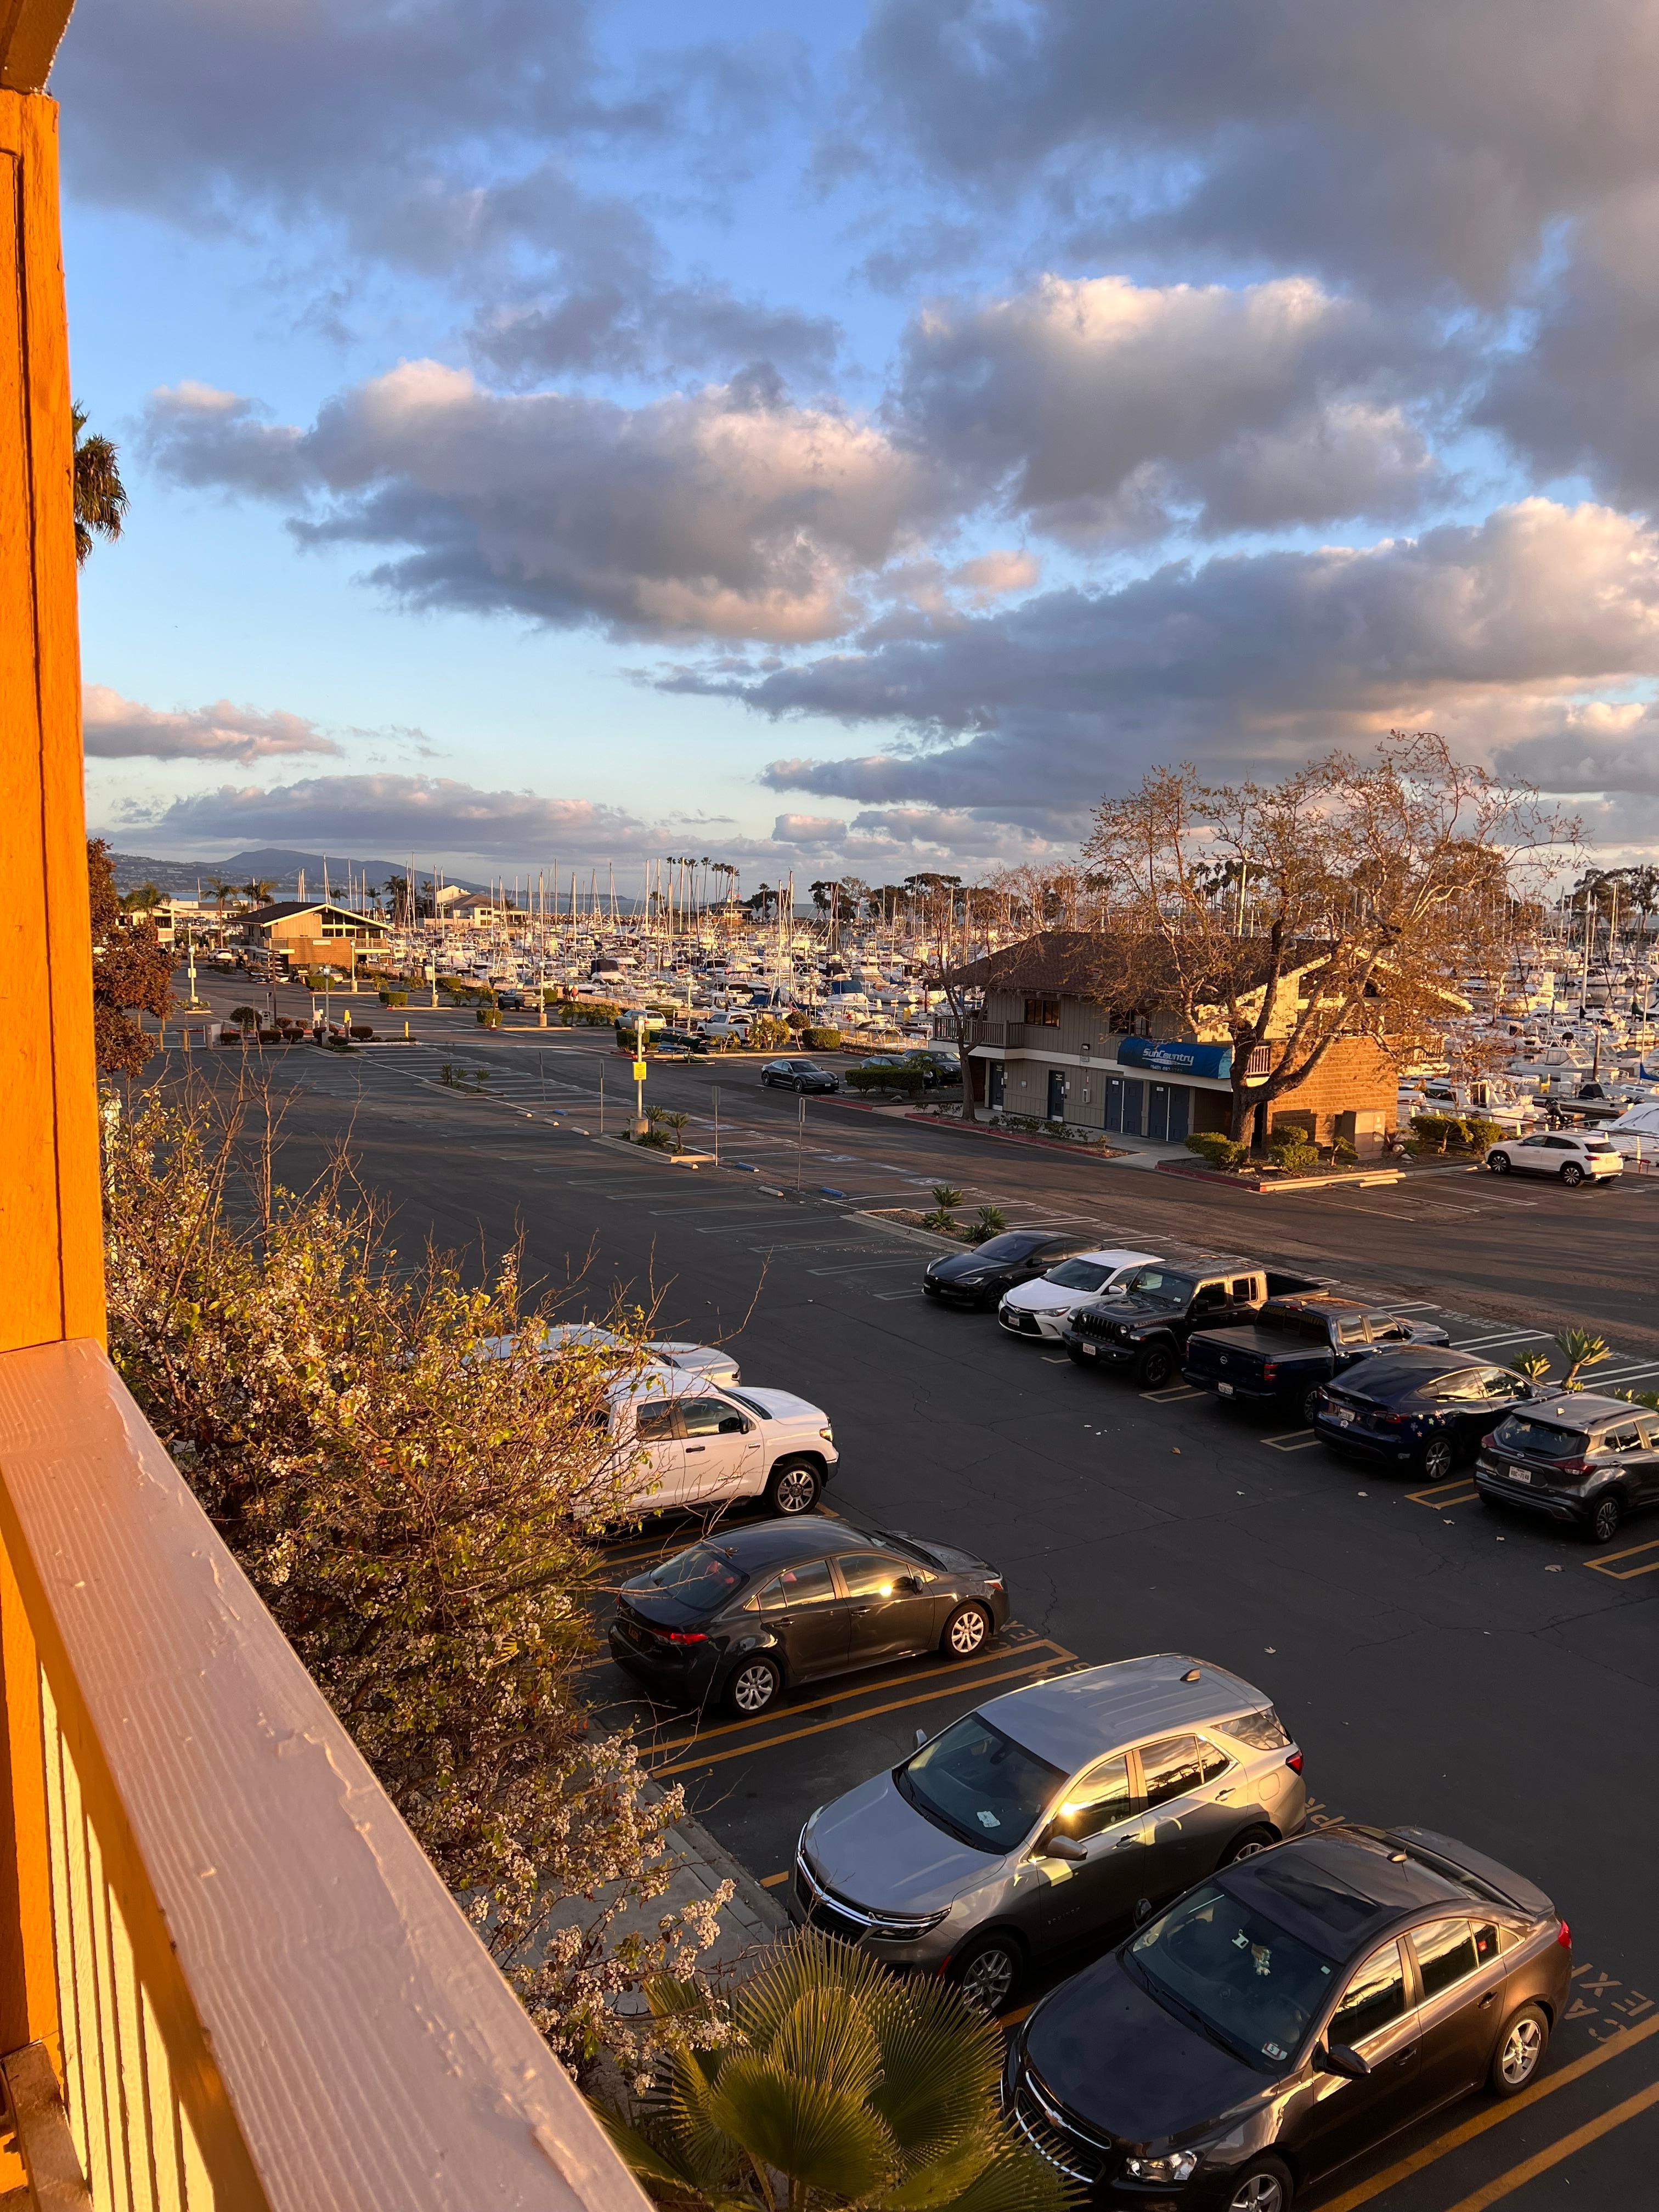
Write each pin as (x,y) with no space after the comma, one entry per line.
(716,1096)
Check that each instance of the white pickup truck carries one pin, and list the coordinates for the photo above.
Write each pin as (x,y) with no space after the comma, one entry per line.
(692,1445)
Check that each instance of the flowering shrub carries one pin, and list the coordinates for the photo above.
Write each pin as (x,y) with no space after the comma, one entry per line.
(413,1483)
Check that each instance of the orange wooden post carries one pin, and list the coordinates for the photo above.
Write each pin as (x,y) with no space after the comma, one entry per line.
(51,1245)
(50,1241)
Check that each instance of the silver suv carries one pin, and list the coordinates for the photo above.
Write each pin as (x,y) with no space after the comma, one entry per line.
(1049,1815)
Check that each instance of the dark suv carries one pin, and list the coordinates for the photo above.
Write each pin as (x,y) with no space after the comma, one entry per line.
(1582,1458)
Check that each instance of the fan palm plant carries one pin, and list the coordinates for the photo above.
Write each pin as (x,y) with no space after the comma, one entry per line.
(832,2085)
(1580,1348)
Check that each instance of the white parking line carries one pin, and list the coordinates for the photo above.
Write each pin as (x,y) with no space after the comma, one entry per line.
(1502,1336)
(864,1268)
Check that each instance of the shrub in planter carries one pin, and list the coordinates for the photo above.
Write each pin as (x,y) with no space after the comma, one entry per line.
(1297,1158)
(1223,1153)
(1436,1133)
(360,1032)
(394,997)
(1482,1134)
(246,1018)
(490,1016)
(767,1034)
(821,1040)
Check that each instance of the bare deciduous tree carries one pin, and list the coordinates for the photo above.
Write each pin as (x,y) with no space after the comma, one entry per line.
(1345,900)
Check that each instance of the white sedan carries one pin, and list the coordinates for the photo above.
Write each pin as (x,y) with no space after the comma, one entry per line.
(1042,1308)
(1572,1156)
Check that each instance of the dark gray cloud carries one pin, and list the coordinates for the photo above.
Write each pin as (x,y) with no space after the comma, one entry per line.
(1103,408)
(1598,747)
(1405,145)
(1248,661)
(121,729)
(727,513)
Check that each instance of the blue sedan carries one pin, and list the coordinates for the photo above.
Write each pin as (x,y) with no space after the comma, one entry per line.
(1423,1409)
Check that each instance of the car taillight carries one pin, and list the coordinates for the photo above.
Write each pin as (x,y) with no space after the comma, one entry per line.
(1294,1762)
(1563,1936)
(684,1635)
(1270,1371)
(1574,1466)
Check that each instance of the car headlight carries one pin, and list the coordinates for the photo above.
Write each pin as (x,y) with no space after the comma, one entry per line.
(1178,2165)
(902,1925)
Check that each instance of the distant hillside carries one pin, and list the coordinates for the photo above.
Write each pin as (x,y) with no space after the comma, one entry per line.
(278,863)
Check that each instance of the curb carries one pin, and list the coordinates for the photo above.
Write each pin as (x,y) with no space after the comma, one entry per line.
(1103,1156)
(925,1236)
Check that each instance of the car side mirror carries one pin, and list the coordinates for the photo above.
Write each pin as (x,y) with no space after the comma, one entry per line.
(1343,2060)
(908,1585)
(734,1425)
(1066,1848)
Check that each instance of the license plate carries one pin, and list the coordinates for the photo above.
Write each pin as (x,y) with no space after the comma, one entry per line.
(1223,1389)
(1520,1474)
(1089,1351)
(1340,1415)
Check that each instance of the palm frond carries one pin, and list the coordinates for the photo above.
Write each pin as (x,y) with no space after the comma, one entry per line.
(823,2139)
(941,2059)
(826,2038)
(1018,2180)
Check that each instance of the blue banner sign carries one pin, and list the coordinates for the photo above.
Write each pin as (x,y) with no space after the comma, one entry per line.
(1211,1059)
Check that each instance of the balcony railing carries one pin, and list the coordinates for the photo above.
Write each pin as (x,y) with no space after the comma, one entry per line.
(215,1933)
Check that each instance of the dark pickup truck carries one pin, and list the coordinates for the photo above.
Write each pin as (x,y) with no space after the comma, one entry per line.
(1294,1347)
(1143,1329)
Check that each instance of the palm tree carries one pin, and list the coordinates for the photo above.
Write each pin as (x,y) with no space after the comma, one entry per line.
(840,2081)
(100,497)
(259,889)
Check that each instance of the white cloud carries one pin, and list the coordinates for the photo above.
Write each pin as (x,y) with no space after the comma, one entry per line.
(729,513)
(121,729)
(1104,409)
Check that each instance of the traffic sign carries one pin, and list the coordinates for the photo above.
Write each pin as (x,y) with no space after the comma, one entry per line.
(639,1071)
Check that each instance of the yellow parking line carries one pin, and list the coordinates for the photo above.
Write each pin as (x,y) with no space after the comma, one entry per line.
(1402,2169)
(1607,1566)
(968,1672)
(771,1880)
(1541,2161)
(1438,1493)
(1466,1496)
(845,1720)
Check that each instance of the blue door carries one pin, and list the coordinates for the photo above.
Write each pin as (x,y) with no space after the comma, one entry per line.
(997,1082)
(1056,1094)
(1181,1105)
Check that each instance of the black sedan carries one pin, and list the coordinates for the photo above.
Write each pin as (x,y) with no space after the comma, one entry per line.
(984,1276)
(748,1611)
(1425,1410)
(1289,2014)
(800,1075)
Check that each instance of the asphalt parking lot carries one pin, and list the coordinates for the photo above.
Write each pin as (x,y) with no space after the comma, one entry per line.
(1489,1677)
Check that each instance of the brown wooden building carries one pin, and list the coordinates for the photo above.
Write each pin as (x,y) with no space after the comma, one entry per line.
(1051,1043)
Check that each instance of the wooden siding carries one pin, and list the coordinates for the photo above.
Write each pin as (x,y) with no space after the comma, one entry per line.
(50,1253)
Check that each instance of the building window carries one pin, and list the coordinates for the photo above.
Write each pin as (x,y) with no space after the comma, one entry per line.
(1042,1014)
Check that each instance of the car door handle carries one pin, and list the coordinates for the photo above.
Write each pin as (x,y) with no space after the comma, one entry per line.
(691,1447)
(1491,1998)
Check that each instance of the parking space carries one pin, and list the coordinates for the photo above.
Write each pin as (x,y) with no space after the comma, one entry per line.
(1483,1674)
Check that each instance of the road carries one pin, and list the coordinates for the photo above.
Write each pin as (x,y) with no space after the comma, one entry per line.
(1488,1677)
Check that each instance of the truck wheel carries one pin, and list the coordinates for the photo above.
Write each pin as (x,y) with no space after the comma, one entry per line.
(794,1486)
(1310,1402)
(1156,1366)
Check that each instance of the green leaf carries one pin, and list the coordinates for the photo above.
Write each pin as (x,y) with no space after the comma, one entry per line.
(1018,2180)
(941,2058)
(821,2138)
(826,2038)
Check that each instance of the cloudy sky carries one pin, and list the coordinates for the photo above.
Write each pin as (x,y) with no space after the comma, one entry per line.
(839,438)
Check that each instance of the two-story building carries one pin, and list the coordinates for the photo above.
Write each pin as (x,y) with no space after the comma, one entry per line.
(313,933)
(1055,1043)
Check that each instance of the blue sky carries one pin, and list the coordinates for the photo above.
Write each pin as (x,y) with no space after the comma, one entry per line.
(853,441)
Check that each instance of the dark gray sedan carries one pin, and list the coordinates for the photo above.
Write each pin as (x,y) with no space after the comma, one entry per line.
(736,1618)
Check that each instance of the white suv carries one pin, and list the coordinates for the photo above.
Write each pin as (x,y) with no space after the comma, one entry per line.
(1041,1309)
(1571,1154)
(691,1445)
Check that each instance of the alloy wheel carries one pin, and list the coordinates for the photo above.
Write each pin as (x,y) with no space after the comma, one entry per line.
(797,1490)
(967,1633)
(1437,1458)
(1524,2047)
(1258,2192)
(753,1688)
(988,1978)
(1604,1521)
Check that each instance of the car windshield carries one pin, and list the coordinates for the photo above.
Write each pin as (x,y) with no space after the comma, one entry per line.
(1014,1245)
(980,1784)
(1079,1275)
(1540,1439)
(1159,1287)
(1239,1975)
(700,1578)
(754,1405)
